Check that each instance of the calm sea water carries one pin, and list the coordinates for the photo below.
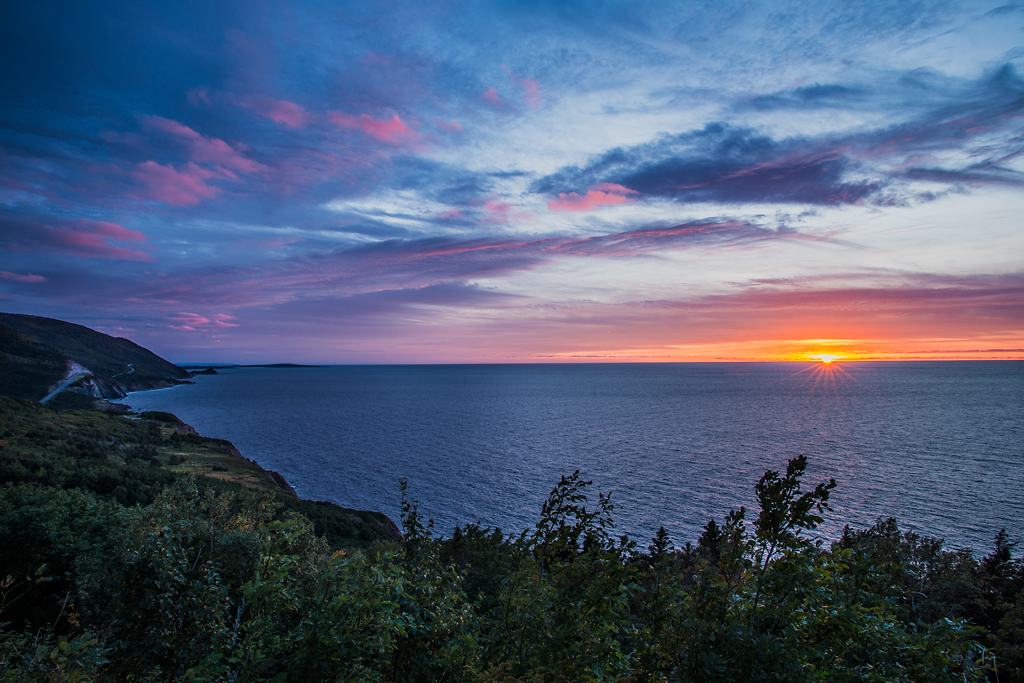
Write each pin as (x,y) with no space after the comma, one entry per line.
(938,445)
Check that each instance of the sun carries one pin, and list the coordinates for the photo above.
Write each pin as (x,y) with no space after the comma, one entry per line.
(824,357)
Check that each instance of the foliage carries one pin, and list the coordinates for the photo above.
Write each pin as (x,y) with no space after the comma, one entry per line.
(561,608)
(131,461)
(208,584)
(106,454)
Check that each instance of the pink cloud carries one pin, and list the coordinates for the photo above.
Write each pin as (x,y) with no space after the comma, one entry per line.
(602,194)
(503,212)
(15,277)
(393,130)
(498,210)
(532,91)
(170,126)
(114,231)
(451,215)
(449,126)
(193,322)
(531,88)
(206,150)
(183,186)
(490,96)
(279,111)
(214,151)
(91,239)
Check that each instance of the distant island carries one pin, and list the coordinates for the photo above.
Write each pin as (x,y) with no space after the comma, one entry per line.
(223,366)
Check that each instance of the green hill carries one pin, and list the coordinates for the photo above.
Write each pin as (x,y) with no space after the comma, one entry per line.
(36,353)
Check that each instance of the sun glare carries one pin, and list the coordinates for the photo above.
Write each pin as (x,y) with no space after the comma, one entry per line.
(825,373)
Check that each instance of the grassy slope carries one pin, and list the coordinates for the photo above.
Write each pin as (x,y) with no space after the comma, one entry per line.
(132,460)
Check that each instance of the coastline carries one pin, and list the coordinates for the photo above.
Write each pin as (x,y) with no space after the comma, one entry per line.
(221,461)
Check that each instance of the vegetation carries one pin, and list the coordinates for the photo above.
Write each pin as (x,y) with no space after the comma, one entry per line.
(131,461)
(204,584)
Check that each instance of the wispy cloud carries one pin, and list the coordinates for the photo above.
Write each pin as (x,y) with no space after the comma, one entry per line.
(192,322)
(17,277)
(284,112)
(85,238)
(392,131)
(206,150)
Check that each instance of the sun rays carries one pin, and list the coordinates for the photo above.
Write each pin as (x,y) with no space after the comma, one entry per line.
(826,373)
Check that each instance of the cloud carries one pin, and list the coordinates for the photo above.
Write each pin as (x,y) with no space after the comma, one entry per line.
(828,95)
(192,322)
(896,306)
(417,262)
(603,194)
(531,88)
(206,150)
(181,186)
(83,238)
(284,112)
(490,97)
(387,302)
(393,131)
(412,264)
(449,126)
(15,277)
(964,136)
(721,164)
(893,293)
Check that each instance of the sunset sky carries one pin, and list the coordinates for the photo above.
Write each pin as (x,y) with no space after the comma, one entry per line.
(428,182)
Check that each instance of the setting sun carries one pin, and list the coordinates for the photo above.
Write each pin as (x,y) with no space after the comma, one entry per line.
(825,357)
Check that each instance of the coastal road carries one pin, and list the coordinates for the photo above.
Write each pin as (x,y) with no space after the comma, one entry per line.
(131,369)
(63,385)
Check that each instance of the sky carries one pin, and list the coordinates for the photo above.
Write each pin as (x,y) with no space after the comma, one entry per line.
(463,182)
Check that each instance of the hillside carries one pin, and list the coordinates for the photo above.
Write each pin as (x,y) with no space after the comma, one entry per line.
(36,353)
(131,459)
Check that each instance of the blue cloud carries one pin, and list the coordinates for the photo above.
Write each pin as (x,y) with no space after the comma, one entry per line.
(726,164)
(720,164)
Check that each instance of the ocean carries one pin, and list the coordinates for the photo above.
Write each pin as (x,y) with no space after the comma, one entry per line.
(937,445)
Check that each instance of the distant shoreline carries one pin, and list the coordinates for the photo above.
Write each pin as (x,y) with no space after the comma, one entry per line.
(190,366)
